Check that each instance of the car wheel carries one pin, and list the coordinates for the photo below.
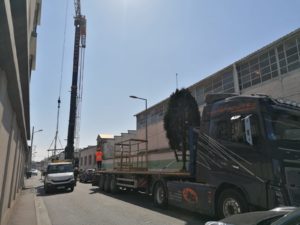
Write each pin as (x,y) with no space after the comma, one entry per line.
(71,189)
(46,189)
(231,202)
(160,195)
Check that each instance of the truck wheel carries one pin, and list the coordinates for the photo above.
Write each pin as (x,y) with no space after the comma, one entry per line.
(101,182)
(113,185)
(107,183)
(231,202)
(160,195)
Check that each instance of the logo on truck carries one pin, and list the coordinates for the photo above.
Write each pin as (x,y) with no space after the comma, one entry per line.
(190,195)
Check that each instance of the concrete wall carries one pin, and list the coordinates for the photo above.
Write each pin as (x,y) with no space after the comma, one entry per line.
(12,152)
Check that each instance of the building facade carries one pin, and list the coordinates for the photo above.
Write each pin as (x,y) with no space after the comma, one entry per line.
(18,24)
(273,70)
(87,158)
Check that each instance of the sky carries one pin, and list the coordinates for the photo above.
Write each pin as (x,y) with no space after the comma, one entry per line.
(136,47)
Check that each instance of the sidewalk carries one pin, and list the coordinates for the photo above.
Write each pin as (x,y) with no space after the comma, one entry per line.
(29,209)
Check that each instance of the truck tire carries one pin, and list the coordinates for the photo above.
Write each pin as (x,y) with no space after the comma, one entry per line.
(160,195)
(231,202)
(101,182)
(107,183)
(113,185)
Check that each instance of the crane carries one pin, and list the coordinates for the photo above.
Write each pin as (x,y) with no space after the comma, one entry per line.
(78,62)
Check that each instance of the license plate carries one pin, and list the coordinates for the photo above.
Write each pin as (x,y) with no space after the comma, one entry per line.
(61,187)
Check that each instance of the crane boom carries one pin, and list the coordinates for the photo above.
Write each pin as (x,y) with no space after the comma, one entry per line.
(79,42)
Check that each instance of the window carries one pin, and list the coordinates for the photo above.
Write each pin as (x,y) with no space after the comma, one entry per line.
(233,129)
(90,160)
(288,55)
(260,68)
(81,161)
(85,160)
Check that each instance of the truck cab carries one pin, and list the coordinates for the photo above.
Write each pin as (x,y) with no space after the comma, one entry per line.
(250,145)
(59,175)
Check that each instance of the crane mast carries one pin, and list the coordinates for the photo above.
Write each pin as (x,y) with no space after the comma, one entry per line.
(79,44)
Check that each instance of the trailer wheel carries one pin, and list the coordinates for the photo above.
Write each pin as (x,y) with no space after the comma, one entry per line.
(113,184)
(160,195)
(101,182)
(231,202)
(107,183)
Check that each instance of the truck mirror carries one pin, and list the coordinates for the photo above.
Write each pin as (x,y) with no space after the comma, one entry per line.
(248,133)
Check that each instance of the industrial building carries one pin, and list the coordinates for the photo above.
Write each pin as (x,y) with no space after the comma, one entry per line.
(273,70)
(18,29)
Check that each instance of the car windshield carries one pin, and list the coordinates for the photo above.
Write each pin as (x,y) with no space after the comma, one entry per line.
(283,125)
(61,168)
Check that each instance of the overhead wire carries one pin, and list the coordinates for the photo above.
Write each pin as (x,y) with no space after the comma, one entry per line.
(61,76)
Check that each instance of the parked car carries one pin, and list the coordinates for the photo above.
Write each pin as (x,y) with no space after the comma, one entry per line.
(34,172)
(277,216)
(86,176)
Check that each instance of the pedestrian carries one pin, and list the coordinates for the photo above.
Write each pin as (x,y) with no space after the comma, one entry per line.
(99,156)
(76,172)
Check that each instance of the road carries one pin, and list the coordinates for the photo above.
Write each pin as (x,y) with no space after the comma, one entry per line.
(87,206)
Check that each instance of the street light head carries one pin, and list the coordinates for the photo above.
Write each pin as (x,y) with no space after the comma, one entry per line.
(132,96)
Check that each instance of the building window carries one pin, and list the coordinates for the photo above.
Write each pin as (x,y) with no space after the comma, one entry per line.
(81,161)
(258,69)
(85,160)
(94,159)
(220,83)
(90,160)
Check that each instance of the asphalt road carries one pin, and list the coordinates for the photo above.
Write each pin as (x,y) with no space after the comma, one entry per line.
(87,206)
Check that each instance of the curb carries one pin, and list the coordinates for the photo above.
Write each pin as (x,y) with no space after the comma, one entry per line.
(41,212)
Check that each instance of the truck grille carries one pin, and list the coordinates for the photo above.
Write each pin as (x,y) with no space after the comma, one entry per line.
(59,181)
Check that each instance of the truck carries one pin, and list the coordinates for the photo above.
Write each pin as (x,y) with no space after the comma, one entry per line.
(245,156)
(59,175)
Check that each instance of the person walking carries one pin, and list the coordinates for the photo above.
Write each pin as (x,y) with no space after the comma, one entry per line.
(76,172)
(99,156)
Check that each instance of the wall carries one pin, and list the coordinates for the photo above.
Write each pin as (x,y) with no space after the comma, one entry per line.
(12,152)
(87,153)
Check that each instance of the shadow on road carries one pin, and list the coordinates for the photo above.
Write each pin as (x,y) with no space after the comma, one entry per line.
(41,192)
(145,201)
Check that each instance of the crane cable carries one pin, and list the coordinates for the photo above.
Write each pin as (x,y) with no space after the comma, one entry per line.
(61,76)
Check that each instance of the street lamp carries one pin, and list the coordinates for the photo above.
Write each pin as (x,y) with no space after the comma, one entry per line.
(146,125)
(31,145)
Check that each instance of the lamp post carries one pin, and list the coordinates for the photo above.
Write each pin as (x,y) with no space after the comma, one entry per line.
(146,125)
(31,145)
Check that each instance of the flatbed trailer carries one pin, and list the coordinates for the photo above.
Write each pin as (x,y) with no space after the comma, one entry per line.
(167,186)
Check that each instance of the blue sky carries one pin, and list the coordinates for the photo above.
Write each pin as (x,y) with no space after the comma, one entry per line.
(135,47)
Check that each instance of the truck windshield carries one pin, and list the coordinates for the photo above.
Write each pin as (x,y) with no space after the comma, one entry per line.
(61,168)
(283,125)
